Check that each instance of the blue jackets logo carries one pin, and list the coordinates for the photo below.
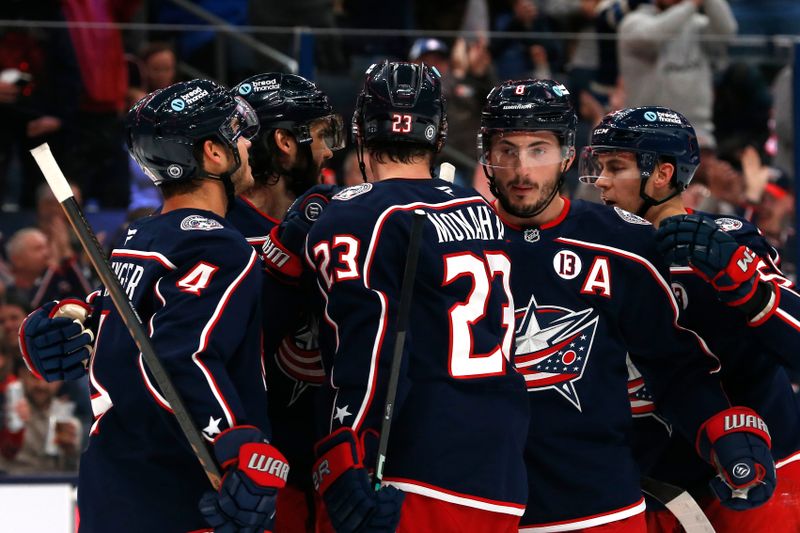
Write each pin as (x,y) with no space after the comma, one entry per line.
(553,347)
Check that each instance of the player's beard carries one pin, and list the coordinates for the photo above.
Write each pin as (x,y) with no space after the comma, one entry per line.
(525,210)
(305,172)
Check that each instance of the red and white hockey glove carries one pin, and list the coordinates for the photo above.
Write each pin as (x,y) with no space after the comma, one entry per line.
(54,342)
(340,477)
(254,471)
(283,249)
(737,443)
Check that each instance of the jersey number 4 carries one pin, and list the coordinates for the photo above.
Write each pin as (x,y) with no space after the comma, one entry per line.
(481,271)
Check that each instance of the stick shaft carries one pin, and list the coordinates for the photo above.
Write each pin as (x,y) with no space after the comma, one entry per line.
(126,310)
(403,312)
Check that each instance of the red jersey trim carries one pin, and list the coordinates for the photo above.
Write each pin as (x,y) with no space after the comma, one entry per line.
(259,211)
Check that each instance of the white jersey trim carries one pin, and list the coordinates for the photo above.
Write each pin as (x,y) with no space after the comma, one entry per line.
(594,521)
(466,501)
(791,459)
(125,252)
(379,334)
(207,332)
(659,279)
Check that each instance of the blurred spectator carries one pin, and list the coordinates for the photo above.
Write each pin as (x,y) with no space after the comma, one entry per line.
(157,68)
(11,425)
(608,15)
(783,105)
(200,48)
(742,105)
(467,78)
(12,312)
(97,161)
(52,435)
(39,89)
(663,60)
(40,273)
(517,58)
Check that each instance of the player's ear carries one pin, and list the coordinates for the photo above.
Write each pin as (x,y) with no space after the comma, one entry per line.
(568,159)
(663,176)
(284,141)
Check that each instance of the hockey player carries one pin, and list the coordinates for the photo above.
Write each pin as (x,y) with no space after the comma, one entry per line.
(590,288)
(195,282)
(461,414)
(731,292)
(299,132)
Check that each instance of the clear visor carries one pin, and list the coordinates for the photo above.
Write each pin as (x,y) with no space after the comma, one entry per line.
(505,156)
(331,129)
(243,122)
(600,162)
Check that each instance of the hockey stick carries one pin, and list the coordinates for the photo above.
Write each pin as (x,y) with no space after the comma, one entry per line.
(58,183)
(679,503)
(447,172)
(406,291)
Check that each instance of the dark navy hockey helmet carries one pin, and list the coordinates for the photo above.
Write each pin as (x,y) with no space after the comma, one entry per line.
(163,128)
(651,133)
(401,103)
(528,105)
(291,102)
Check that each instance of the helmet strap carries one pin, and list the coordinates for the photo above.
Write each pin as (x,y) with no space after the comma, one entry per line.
(648,201)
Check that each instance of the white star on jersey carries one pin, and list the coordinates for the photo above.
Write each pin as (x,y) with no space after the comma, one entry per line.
(342,413)
(213,426)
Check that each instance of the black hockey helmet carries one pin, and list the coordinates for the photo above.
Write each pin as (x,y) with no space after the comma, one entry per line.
(163,128)
(291,102)
(401,103)
(651,133)
(528,105)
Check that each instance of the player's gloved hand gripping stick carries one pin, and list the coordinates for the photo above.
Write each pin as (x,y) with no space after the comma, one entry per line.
(63,193)
(54,341)
(339,474)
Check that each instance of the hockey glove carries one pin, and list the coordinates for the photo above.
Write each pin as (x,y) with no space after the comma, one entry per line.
(283,248)
(732,269)
(54,343)
(352,504)
(736,442)
(254,471)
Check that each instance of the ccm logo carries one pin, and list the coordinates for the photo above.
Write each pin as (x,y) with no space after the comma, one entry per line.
(747,258)
(270,465)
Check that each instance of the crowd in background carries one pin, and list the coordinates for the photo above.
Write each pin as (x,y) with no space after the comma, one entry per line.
(69,85)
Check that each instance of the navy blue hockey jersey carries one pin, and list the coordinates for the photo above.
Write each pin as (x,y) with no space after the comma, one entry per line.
(590,288)
(752,368)
(461,415)
(293,362)
(196,286)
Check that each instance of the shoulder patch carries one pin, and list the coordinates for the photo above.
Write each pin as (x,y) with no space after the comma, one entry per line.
(353,191)
(200,222)
(728,224)
(629,217)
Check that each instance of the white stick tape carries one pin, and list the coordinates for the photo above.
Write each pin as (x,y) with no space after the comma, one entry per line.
(447,172)
(52,172)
